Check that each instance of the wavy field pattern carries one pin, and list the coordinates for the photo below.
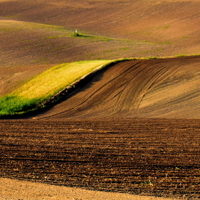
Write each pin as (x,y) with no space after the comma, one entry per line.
(154,88)
(33,94)
(99,121)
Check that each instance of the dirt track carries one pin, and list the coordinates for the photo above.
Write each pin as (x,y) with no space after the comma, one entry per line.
(153,157)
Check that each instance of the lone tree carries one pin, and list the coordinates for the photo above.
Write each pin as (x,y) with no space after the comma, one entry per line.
(76,33)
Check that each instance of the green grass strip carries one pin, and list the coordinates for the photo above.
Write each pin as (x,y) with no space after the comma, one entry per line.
(31,95)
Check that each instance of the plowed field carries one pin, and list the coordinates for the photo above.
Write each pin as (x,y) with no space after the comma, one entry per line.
(97,138)
(140,156)
(155,88)
(35,35)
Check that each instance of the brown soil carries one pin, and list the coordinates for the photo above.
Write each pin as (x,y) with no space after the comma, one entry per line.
(156,88)
(140,28)
(168,19)
(11,189)
(164,21)
(140,156)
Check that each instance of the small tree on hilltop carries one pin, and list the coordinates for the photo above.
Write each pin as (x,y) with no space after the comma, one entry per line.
(76,33)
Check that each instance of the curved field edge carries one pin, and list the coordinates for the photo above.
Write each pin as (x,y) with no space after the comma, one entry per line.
(47,87)
(52,85)
(31,190)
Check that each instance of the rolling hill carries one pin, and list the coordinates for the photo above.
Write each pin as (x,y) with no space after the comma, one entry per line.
(36,35)
(48,86)
(116,88)
(129,88)
(149,88)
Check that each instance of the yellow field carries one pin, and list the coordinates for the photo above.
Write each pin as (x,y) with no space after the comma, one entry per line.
(46,85)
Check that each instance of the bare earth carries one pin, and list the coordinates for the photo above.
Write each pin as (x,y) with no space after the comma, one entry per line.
(157,88)
(29,35)
(139,156)
(11,189)
(96,138)
(102,137)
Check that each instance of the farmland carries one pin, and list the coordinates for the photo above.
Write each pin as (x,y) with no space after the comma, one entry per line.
(47,85)
(99,98)
(97,137)
(139,156)
(147,88)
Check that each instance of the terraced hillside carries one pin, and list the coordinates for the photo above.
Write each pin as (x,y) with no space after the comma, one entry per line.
(155,88)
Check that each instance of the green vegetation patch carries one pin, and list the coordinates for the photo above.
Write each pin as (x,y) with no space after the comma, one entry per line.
(33,94)
(10,105)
